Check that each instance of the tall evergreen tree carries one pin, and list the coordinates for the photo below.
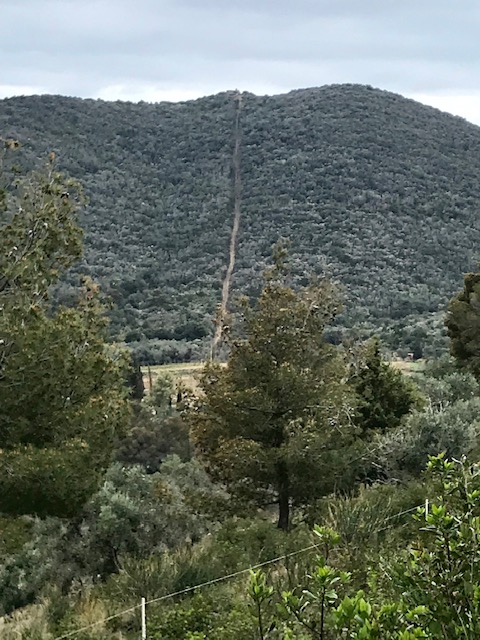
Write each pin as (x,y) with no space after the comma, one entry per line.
(62,391)
(273,425)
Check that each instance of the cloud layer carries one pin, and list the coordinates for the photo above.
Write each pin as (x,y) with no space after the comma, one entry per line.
(179,49)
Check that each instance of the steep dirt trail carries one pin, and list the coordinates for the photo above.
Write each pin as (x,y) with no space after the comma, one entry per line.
(237,198)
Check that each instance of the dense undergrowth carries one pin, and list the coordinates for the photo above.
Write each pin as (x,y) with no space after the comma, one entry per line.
(162,527)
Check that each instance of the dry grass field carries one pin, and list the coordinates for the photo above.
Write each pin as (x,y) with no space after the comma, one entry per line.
(186,373)
(409,367)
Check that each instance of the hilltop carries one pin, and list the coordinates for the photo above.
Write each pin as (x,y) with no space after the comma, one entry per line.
(379,191)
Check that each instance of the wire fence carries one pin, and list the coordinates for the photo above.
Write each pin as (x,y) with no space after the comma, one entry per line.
(228,576)
(142,605)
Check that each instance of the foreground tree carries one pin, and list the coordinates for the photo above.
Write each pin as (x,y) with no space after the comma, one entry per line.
(274,424)
(463,324)
(61,387)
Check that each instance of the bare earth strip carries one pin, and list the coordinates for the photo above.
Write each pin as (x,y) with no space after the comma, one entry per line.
(237,192)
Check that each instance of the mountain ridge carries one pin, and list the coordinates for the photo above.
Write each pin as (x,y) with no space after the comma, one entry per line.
(376,189)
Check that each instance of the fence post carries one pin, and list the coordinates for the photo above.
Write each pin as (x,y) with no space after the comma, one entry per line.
(144,620)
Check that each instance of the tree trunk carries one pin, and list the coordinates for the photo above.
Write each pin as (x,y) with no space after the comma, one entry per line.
(283,496)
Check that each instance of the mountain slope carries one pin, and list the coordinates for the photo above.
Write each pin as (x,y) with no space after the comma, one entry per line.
(379,191)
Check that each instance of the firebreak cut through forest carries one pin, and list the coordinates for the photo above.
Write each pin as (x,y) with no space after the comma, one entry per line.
(375,190)
(306,490)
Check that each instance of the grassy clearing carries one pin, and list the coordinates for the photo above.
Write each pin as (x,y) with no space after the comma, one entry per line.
(184,374)
(410,367)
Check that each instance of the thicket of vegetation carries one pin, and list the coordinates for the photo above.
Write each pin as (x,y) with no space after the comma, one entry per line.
(378,191)
(312,489)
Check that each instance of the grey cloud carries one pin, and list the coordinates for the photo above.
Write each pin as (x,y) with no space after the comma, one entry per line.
(80,48)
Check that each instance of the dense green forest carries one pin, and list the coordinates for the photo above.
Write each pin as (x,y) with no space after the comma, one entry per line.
(379,192)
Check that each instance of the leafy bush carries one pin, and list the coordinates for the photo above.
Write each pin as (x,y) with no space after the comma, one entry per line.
(454,430)
(430,590)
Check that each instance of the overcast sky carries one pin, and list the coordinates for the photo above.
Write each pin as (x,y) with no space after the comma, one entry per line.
(179,49)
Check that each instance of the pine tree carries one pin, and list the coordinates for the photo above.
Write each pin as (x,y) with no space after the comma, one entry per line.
(62,391)
(273,425)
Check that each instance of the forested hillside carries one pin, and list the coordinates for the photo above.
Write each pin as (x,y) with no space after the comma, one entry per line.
(378,191)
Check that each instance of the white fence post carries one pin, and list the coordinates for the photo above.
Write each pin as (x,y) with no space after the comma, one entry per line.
(144,620)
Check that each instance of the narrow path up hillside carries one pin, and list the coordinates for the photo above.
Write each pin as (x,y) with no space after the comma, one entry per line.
(237,196)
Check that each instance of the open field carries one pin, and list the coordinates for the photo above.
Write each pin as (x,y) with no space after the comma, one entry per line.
(187,373)
(409,367)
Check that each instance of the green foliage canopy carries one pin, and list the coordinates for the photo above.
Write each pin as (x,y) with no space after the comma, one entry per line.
(61,387)
(463,325)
